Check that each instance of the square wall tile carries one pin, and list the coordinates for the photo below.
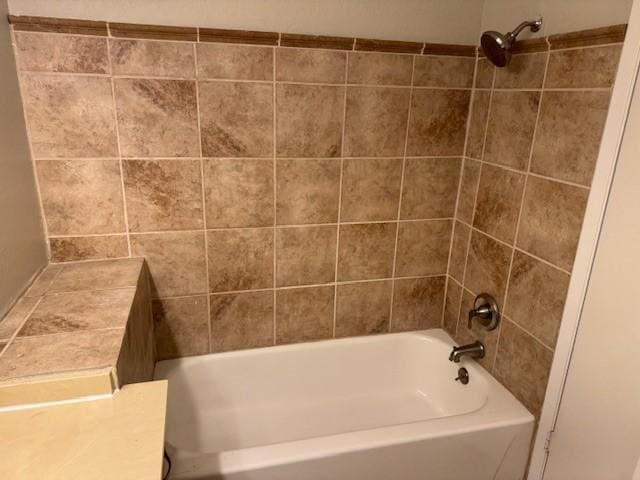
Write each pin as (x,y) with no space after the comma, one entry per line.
(417,304)
(442,71)
(522,366)
(376,121)
(157,118)
(366,251)
(379,68)
(70,116)
(238,192)
(81,196)
(459,247)
(498,202)
(310,65)
(176,262)
(430,187)
(363,308)
(568,135)
(487,266)
(309,120)
(452,307)
(512,121)
(181,327)
(304,314)
(40,52)
(583,67)
(241,320)
(478,123)
(484,73)
(551,220)
(370,189)
(236,119)
(307,191)
(70,249)
(536,297)
(152,58)
(240,259)
(423,248)
(468,190)
(305,255)
(163,194)
(438,122)
(234,62)
(523,71)
(465,335)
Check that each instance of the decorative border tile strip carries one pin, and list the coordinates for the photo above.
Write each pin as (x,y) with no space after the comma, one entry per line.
(153,32)
(58,25)
(316,41)
(583,38)
(238,36)
(586,38)
(391,46)
(449,49)
(531,45)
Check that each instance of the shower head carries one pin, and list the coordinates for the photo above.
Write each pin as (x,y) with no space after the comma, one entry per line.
(497,46)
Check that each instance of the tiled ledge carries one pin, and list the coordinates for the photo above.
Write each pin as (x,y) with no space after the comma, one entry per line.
(81,329)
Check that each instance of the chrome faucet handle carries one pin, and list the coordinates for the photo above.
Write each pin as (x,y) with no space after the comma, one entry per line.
(486,310)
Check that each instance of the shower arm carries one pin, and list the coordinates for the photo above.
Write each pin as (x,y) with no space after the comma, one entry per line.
(534,25)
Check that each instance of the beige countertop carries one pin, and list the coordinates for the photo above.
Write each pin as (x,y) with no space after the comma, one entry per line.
(117,438)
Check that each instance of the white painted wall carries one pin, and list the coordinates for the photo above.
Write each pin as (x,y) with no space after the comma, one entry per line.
(22,245)
(559,15)
(597,432)
(453,21)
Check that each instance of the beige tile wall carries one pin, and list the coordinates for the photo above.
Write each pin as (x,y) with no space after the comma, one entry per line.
(293,194)
(278,194)
(533,139)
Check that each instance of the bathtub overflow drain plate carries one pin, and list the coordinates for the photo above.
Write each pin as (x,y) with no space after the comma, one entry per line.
(463,376)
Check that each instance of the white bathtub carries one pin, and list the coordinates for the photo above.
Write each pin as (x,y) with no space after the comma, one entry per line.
(379,407)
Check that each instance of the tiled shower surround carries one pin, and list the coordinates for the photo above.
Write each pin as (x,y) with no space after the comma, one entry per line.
(284,194)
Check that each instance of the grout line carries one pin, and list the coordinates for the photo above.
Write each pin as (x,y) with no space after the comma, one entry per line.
(475,191)
(119,147)
(530,173)
(293,287)
(204,201)
(522,197)
(43,220)
(458,193)
(344,121)
(224,229)
(402,174)
(274,140)
(524,191)
(14,335)
(290,82)
(518,249)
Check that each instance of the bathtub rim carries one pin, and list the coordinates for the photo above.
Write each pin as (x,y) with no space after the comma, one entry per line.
(500,410)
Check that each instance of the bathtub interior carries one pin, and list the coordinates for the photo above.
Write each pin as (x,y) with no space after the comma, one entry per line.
(237,400)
